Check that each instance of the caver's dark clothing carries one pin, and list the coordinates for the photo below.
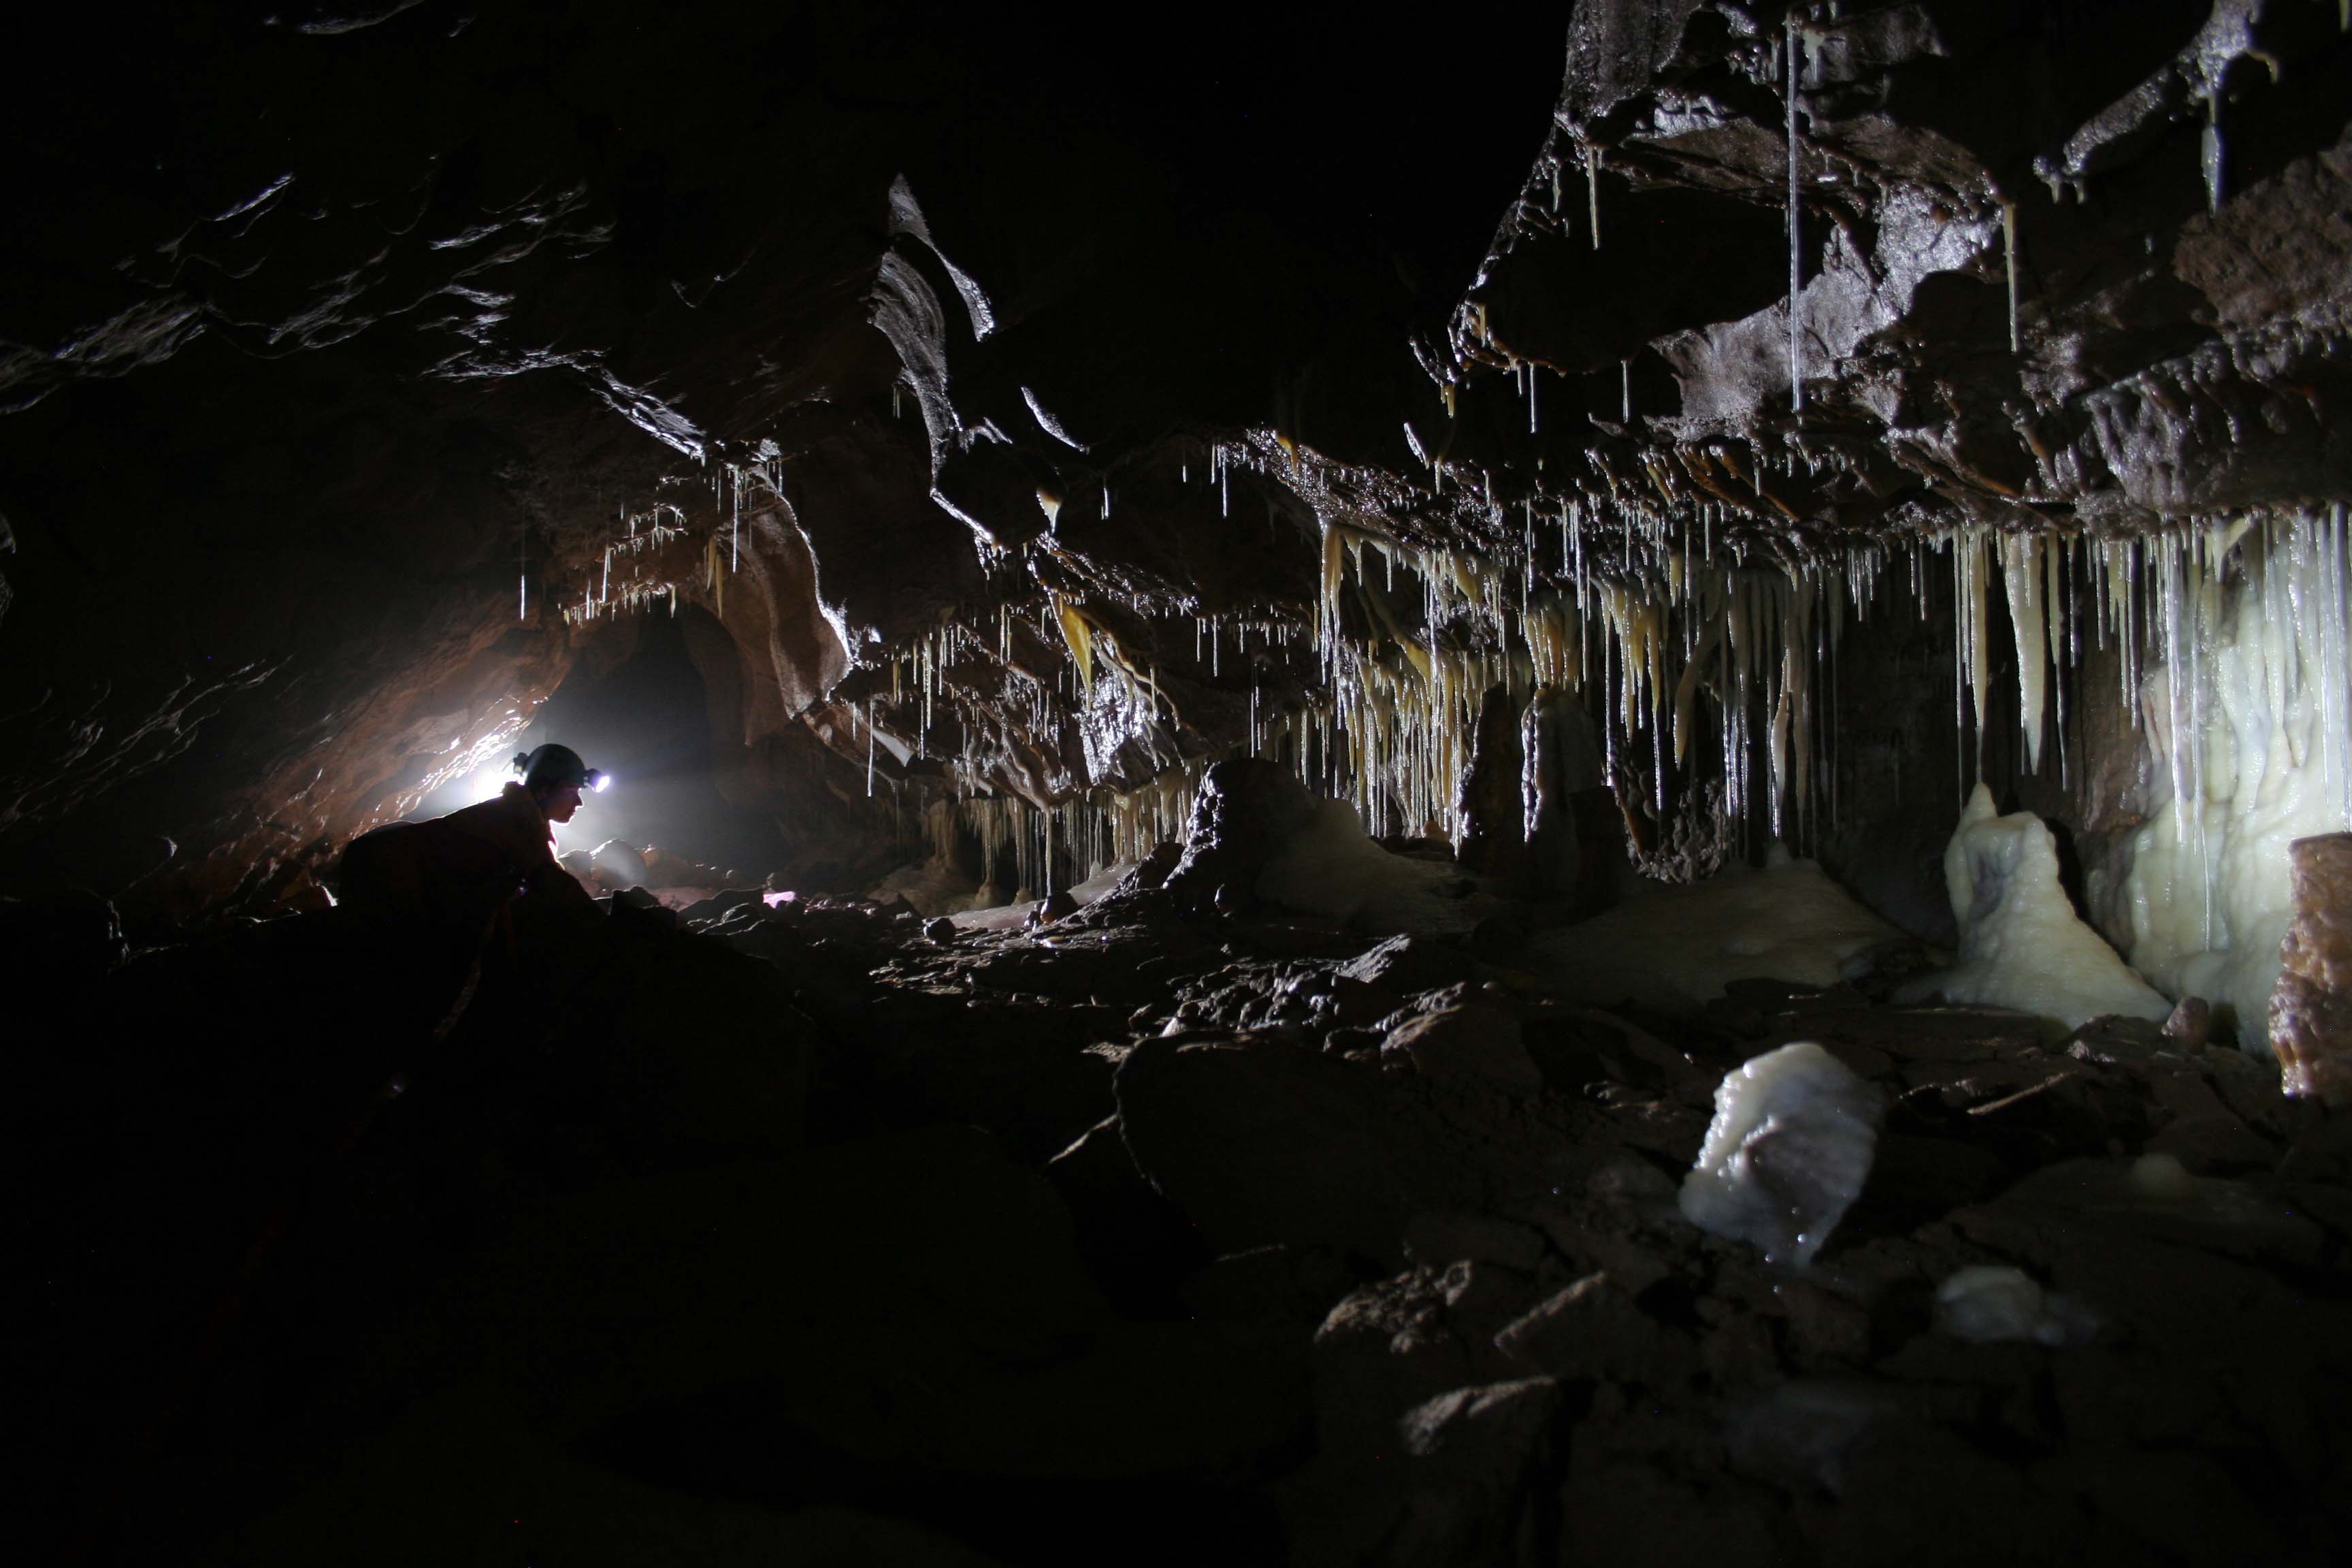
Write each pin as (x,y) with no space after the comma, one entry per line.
(447,890)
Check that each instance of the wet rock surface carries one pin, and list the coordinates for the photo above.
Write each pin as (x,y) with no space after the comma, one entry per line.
(1138,1228)
(2311,1012)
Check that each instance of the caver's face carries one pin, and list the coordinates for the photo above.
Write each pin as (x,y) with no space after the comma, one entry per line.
(563,803)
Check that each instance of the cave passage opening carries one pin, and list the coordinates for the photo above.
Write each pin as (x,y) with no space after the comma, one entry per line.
(642,714)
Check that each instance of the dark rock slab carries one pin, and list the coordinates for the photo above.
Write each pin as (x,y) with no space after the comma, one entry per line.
(1455,1042)
(1262,1143)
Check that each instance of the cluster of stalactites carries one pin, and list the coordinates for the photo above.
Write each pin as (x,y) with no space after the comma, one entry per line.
(653,530)
(2170,604)
(642,533)
(2248,723)
(1645,646)
(1758,640)
(1027,851)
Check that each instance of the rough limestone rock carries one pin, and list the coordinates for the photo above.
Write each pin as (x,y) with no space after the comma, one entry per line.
(2311,1011)
(925,1264)
(1405,963)
(1473,1455)
(621,865)
(1593,1328)
(1458,1041)
(1259,1142)
(1245,811)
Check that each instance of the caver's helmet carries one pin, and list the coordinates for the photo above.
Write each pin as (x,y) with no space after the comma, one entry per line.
(552,767)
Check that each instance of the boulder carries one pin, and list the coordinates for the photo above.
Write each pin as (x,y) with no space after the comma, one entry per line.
(621,865)
(1459,1483)
(1458,1042)
(904,1302)
(1136,1244)
(1407,964)
(1260,1141)
(1594,1329)
(1294,1286)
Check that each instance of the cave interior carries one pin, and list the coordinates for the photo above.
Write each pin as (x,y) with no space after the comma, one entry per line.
(1539,785)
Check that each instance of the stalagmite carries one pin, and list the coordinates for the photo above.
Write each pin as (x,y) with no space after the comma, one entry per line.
(2021,944)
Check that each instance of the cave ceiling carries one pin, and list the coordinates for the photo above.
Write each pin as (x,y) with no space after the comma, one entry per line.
(1000,401)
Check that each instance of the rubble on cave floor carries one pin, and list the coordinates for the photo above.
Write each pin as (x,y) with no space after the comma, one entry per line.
(1174,1237)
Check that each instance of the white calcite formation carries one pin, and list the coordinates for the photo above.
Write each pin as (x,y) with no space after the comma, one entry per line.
(2021,944)
(2251,724)
(1992,1303)
(1787,1153)
(1331,869)
(1673,948)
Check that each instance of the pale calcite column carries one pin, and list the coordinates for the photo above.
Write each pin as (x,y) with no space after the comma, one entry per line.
(2311,1011)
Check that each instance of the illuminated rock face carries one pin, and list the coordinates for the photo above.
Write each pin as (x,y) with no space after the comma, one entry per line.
(1006,485)
(2311,1011)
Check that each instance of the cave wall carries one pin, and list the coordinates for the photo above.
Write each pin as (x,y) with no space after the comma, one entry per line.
(330,336)
(1034,447)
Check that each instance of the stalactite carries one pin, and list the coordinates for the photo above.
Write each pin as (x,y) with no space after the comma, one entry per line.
(2250,723)
(2022,576)
(1592,191)
(1796,315)
(2009,263)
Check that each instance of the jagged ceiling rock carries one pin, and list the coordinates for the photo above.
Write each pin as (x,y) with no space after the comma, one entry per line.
(333,341)
(1000,416)
(1924,135)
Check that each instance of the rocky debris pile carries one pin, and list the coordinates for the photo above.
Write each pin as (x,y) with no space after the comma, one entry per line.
(1174,1229)
(675,881)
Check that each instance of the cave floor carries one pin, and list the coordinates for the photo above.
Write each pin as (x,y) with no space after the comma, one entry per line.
(1140,1240)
